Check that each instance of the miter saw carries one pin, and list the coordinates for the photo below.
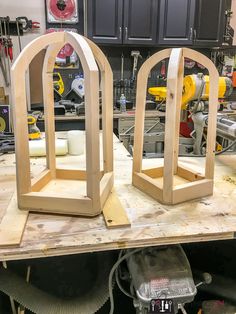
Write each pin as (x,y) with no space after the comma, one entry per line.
(195,97)
(160,279)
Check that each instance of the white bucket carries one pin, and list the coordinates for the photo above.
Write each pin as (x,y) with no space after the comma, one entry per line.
(76,142)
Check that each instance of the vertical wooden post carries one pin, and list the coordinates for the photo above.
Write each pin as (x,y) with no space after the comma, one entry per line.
(141,92)
(173,103)
(91,115)
(178,112)
(107,105)
(48,96)
(213,102)
(21,131)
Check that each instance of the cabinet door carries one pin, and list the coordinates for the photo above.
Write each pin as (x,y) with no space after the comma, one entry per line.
(176,22)
(105,20)
(209,22)
(140,22)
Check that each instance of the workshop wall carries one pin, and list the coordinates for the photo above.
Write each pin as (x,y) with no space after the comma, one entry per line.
(33,10)
(233,20)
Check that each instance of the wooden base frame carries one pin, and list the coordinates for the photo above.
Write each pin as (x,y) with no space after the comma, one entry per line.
(160,182)
(30,193)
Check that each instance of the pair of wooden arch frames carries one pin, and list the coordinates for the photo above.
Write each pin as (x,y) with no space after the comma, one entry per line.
(198,185)
(99,183)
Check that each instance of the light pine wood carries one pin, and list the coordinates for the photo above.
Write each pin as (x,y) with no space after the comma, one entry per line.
(107,104)
(48,98)
(188,174)
(141,92)
(213,101)
(168,190)
(30,194)
(154,172)
(12,224)
(114,213)
(209,219)
(173,106)
(41,180)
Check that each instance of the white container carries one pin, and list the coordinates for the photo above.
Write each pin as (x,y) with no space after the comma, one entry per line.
(37,148)
(76,142)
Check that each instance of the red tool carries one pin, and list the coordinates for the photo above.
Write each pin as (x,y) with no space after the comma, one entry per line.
(28,24)
(10,49)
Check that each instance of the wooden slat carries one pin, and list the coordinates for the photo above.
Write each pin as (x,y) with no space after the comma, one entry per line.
(75,174)
(54,203)
(173,105)
(114,213)
(106,185)
(190,191)
(91,76)
(148,186)
(41,180)
(213,101)
(13,224)
(154,172)
(141,103)
(189,174)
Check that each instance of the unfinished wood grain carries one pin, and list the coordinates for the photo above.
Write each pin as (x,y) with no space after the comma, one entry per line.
(148,185)
(208,219)
(168,192)
(173,106)
(13,224)
(27,196)
(18,72)
(212,111)
(154,172)
(106,184)
(54,203)
(189,174)
(107,105)
(41,180)
(141,91)
(189,191)
(48,98)
(69,174)
(114,213)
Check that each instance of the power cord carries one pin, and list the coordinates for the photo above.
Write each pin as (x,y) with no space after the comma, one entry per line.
(114,268)
(182,309)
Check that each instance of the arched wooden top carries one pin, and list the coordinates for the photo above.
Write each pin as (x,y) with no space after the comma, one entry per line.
(152,61)
(58,40)
(142,79)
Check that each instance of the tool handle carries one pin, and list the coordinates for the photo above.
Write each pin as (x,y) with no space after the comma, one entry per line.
(10,53)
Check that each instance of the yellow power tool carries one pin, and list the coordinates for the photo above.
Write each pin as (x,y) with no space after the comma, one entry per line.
(33,130)
(192,87)
(58,83)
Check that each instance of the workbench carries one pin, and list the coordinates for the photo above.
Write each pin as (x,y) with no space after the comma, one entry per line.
(74,122)
(209,218)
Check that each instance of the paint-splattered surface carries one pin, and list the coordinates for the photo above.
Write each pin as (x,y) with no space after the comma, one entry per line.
(209,218)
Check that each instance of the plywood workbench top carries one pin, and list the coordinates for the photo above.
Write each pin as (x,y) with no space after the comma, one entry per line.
(209,218)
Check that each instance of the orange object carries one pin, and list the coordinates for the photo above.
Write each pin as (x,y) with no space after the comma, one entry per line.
(234,79)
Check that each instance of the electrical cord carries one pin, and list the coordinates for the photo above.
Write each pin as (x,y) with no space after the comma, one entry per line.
(110,285)
(226,148)
(120,286)
(118,279)
(182,309)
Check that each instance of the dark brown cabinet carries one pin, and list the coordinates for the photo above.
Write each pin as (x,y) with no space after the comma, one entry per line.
(209,25)
(123,21)
(105,18)
(157,22)
(176,22)
(140,22)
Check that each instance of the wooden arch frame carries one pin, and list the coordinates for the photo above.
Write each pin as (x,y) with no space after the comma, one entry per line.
(198,185)
(99,183)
